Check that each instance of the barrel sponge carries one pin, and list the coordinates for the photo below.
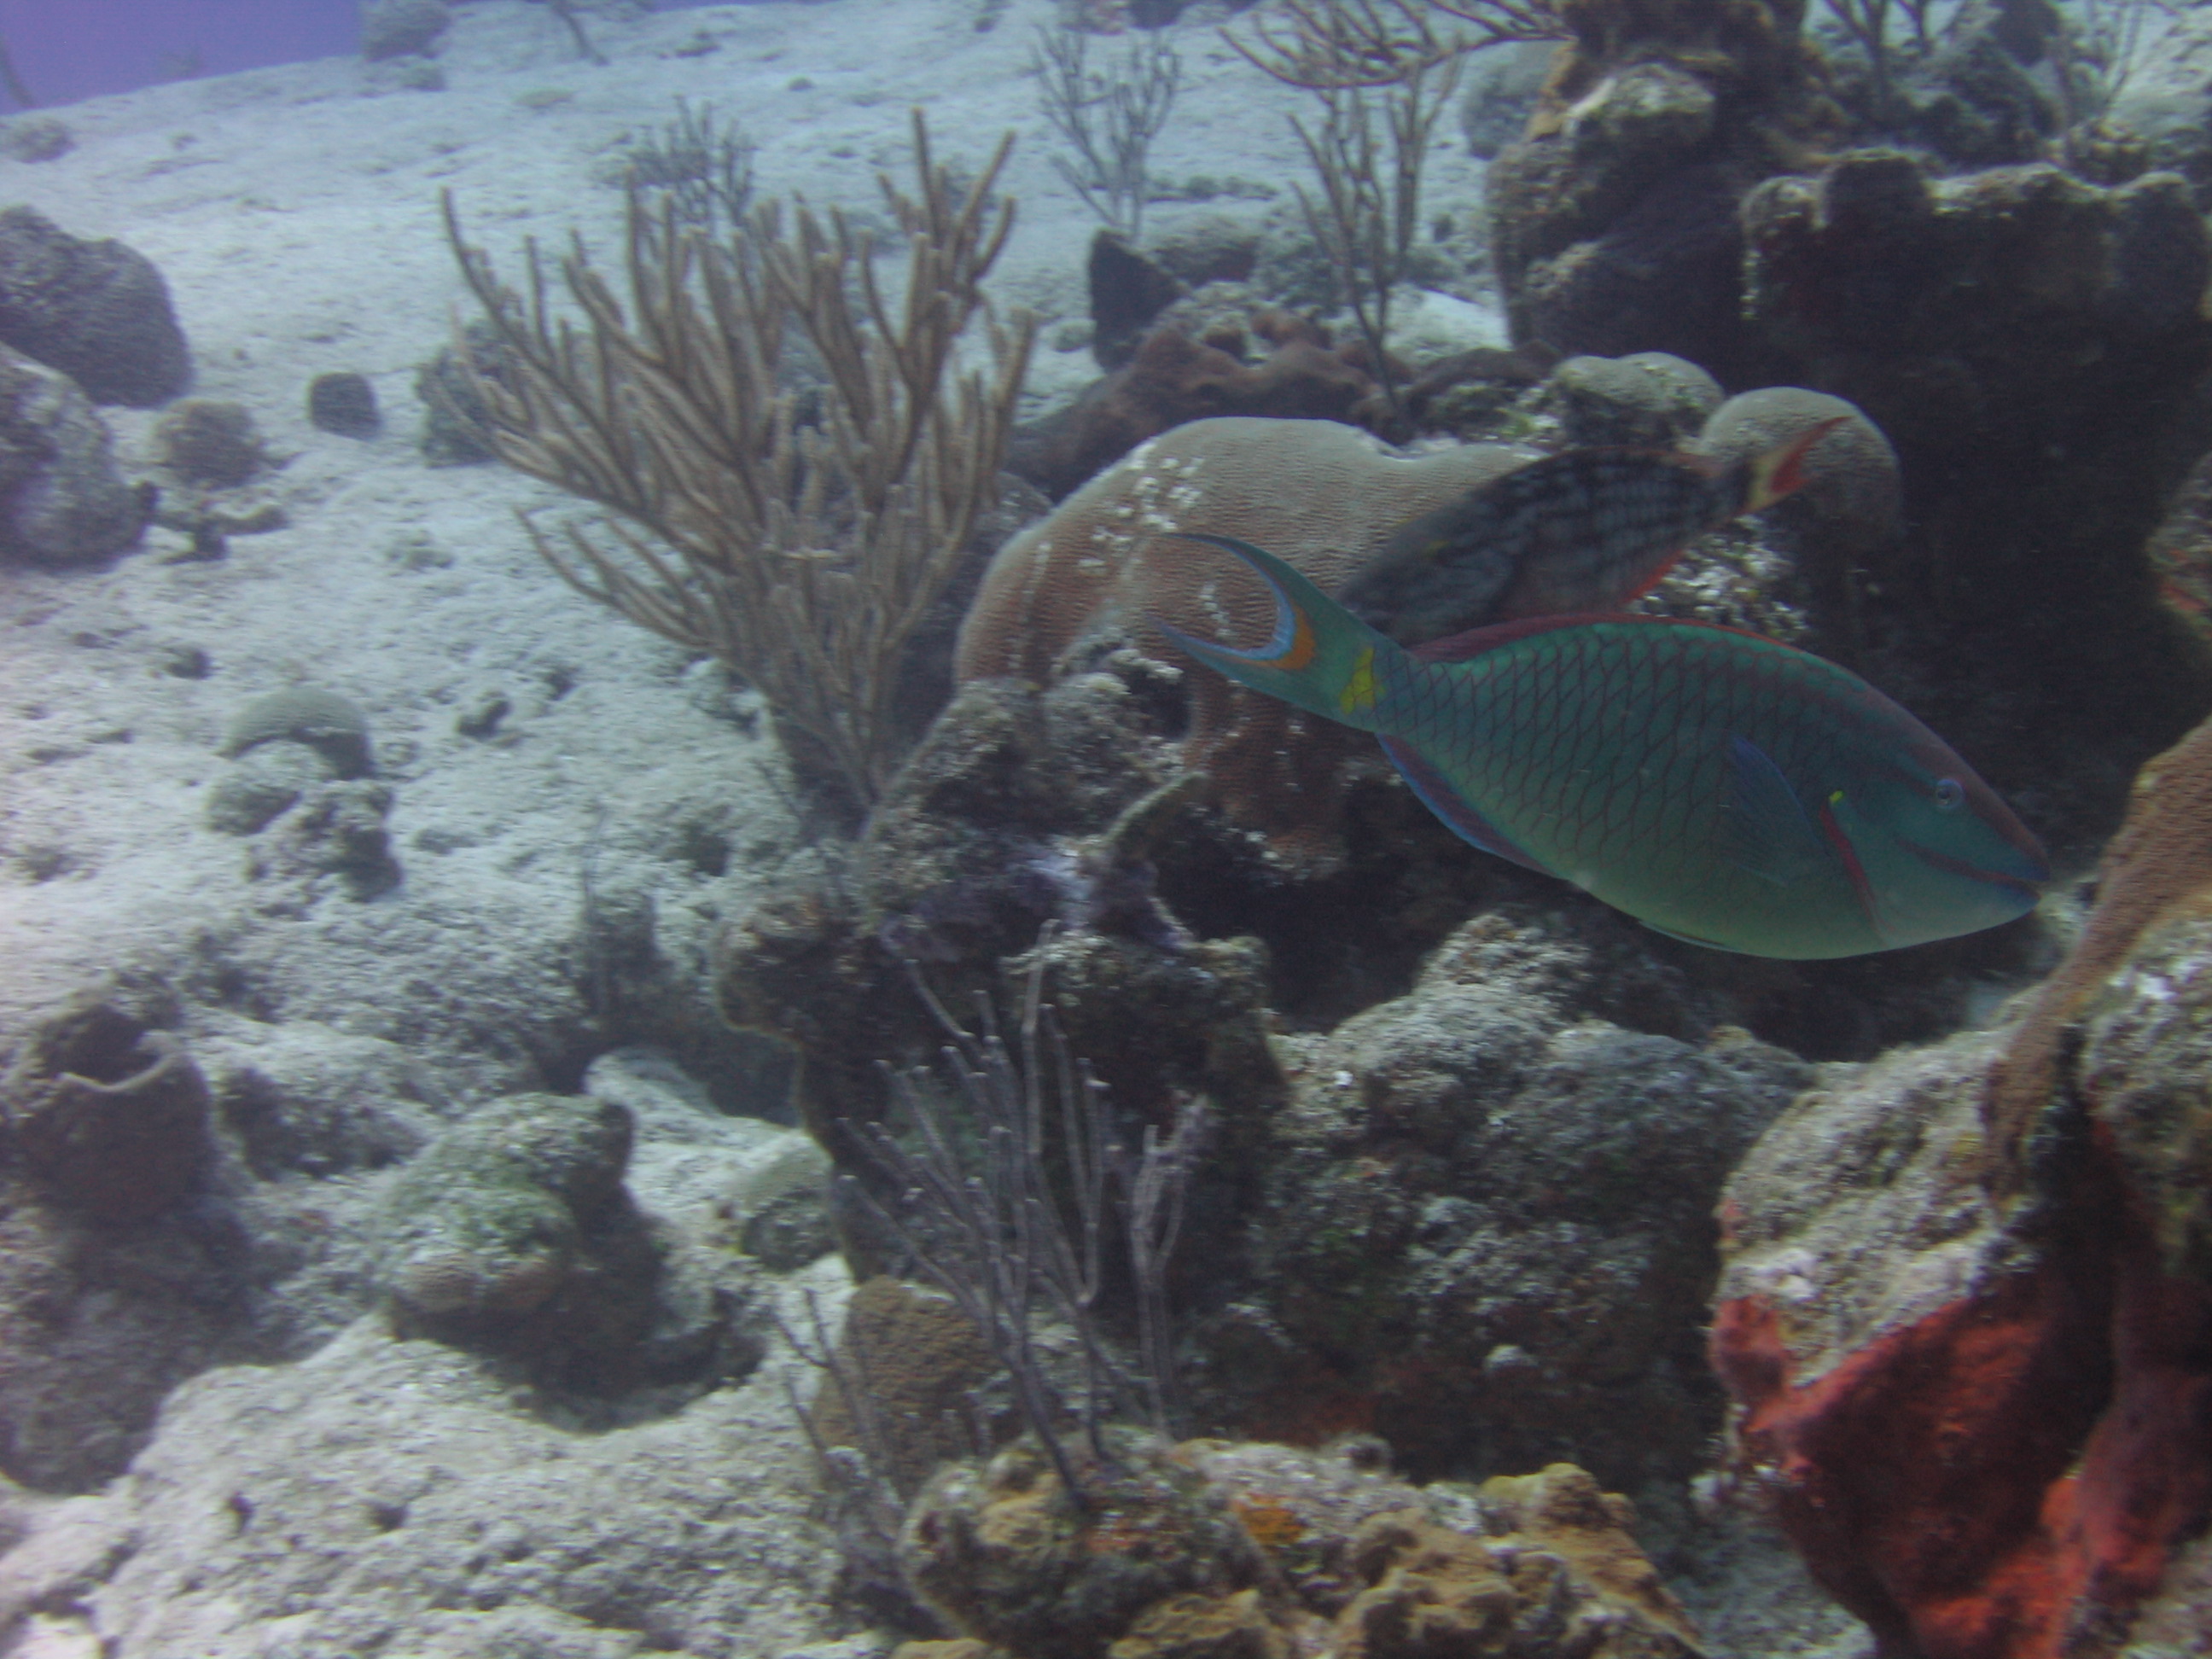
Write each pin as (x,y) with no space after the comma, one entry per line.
(1322,496)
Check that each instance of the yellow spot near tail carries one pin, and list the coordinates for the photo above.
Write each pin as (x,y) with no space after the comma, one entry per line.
(1358,693)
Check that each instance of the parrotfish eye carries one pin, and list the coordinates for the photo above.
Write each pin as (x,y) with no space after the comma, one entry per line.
(1950,795)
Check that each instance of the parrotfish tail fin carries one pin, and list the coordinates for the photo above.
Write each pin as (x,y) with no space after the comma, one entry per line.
(1781,471)
(1320,657)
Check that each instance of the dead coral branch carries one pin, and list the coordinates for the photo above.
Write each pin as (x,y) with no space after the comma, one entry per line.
(800,535)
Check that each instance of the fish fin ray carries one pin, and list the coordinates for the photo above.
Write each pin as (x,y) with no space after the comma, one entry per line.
(1442,796)
(1765,828)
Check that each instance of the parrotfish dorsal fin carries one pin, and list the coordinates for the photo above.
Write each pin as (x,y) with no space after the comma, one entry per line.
(1464,647)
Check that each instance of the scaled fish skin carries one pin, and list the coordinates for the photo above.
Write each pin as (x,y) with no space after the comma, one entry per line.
(1719,786)
(1583,531)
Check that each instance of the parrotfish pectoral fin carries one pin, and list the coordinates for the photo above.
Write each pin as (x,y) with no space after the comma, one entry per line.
(1320,657)
(1765,828)
(1460,814)
(1781,471)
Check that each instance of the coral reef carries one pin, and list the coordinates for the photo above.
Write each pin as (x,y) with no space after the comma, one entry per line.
(513,1233)
(1982,1418)
(1482,1229)
(1612,220)
(2028,342)
(109,1112)
(98,311)
(1212,1550)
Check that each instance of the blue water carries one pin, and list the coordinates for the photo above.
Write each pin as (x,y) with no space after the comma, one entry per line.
(67,50)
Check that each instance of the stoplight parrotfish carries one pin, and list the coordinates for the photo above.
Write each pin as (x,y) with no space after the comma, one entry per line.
(1588,530)
(1719,786)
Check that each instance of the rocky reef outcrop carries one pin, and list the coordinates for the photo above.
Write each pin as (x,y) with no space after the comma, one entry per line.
(1967,1310)
(1213,1550)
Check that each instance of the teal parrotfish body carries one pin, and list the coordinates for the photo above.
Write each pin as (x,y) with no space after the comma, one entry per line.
(1717,786)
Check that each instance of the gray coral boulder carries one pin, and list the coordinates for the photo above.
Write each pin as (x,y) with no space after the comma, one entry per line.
(512,1233)
(97,311)
(61,500)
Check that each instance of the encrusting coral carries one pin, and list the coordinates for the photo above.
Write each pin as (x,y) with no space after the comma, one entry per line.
(1214,1550)
(1967,1310)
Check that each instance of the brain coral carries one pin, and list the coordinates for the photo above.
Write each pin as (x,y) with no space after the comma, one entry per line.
(1322,495)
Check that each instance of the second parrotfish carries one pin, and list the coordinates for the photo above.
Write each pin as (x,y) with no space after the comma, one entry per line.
(1721,787)
(1583,530)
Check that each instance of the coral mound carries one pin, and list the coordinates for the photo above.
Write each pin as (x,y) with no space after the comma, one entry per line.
(1987,1421)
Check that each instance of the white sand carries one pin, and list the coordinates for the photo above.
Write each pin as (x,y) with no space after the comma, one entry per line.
(293,212)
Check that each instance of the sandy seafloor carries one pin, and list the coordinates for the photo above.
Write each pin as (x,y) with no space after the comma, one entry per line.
(293,212)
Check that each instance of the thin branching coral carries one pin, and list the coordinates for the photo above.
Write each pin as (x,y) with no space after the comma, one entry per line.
(1336,44)
(800,534)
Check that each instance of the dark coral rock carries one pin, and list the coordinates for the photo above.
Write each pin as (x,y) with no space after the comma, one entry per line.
(1127,291)
(1612,222)
(344,403)
(513,1233)
(1174,379)
(1649,400)
(1660,277)
(338,833)
(457,431)
(97,311)
(2028,342)
(61,500)
(267,781)
(36,138)
(210,441)
(1006,1554)
(111,1114)
(1466,392)
(402,29)
(1484,1210)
